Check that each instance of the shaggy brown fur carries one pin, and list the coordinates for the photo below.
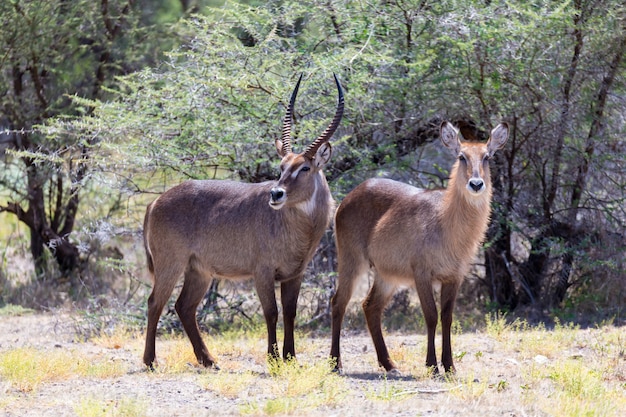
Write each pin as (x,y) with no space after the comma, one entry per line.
(413,237)
(224,229)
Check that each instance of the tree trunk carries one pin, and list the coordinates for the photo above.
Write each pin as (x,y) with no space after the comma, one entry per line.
(498,276)
(596,130)
(498,257)
(41,232)
(533,270)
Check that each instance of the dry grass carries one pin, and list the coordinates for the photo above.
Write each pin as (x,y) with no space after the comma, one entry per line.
(505,369)
(25,369)
(92,406)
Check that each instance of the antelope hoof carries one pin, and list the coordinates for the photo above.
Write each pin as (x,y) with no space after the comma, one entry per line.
(394,373)
(337,370)
(433,370)
(451,370)
(388,364)
(209,364)
(151,366)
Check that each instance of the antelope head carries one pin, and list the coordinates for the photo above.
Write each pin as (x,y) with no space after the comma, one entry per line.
(300,173)
(472,167)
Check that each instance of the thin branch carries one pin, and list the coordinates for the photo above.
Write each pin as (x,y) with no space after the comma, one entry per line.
(524,286)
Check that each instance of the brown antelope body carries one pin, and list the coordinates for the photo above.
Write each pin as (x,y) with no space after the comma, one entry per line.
(413,237)
(231,230)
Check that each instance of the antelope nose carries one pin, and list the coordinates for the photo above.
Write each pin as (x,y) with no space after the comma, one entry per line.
(476,184)
(277,195)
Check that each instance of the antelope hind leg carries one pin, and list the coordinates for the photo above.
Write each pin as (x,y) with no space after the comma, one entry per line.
(349,271)
(164,282)
(194,288)
(374,307)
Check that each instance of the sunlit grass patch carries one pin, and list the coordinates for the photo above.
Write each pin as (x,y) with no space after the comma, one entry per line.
(295,387)
(386,390)
(120,337)
(578,388)
(6,399)
(231,345)
(529,341)
(235,350)
(609,343)
(409,357)
(125,407)
(14,310)
(469,388)
(402,354)
(539,340)
(584,376)
(229,384)
(559,370)
(175,352)
(496,326)
(27,368)
(499,327)
(575,380)
(293,379)
(174,355)
(536,342)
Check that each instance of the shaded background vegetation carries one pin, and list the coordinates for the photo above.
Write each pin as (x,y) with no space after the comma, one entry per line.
(105,104)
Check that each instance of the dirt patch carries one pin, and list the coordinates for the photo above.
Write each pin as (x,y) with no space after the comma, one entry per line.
(495,375)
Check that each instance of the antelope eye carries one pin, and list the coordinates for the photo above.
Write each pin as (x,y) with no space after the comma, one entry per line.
(462,158)
(305,169)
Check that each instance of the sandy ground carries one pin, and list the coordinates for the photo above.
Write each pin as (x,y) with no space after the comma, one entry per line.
(369,391)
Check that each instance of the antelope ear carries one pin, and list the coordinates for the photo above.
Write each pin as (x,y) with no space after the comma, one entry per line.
(279,147)
(498,138)
(450,137)
(323,155)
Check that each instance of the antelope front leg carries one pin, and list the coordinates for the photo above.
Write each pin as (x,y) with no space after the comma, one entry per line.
(264,284)
(448,298)
(289,291)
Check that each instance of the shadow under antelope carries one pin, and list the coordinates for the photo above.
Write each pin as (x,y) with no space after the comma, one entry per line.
(408,236)
(225,229)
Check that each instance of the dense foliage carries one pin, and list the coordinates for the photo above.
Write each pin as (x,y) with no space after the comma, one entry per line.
(212,108)
(51,50)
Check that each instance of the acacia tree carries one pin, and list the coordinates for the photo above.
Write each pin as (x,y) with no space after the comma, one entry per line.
(553,71)
(58,49)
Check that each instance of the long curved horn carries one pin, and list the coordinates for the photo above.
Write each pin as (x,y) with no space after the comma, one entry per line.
(286,136)
(334,124)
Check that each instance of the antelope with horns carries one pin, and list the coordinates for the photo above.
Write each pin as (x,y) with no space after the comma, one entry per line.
(410,236)
(224,229)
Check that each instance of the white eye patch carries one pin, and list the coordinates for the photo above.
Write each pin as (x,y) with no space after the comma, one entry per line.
(297,171)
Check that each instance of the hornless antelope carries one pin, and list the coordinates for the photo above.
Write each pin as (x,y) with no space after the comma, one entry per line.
(409,236)
(225,229)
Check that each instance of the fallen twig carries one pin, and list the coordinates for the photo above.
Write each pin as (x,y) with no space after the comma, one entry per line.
(426,391)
